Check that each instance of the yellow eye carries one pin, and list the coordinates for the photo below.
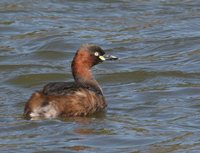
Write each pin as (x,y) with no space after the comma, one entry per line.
(96,54)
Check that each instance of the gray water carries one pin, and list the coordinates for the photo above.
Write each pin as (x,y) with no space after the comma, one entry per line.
(153,91)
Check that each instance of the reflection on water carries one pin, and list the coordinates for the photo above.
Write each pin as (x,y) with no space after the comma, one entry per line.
(152,91)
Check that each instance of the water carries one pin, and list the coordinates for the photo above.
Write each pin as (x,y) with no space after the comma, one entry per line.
(152,91)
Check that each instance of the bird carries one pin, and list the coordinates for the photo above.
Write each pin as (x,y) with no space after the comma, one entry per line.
(80,98)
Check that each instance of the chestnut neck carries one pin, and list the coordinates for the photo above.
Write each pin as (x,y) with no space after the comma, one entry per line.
(82,73)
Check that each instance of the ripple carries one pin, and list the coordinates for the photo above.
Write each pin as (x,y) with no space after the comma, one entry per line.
(36,79)
(139,76)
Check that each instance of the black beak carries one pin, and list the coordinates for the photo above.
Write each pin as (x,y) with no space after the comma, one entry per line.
(108,57)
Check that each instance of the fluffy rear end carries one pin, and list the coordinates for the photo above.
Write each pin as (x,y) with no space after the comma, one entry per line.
(38,106)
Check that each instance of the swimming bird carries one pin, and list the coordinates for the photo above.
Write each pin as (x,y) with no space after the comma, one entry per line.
(83,97)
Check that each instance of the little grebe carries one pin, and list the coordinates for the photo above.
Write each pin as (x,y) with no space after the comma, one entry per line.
(70,99)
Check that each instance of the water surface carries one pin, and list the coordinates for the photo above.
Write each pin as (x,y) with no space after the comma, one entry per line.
(152,91)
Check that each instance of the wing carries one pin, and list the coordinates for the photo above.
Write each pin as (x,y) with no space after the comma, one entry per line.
(67,88)
(60,88)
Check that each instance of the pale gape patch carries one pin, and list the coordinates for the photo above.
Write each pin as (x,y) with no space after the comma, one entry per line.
(48,111)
